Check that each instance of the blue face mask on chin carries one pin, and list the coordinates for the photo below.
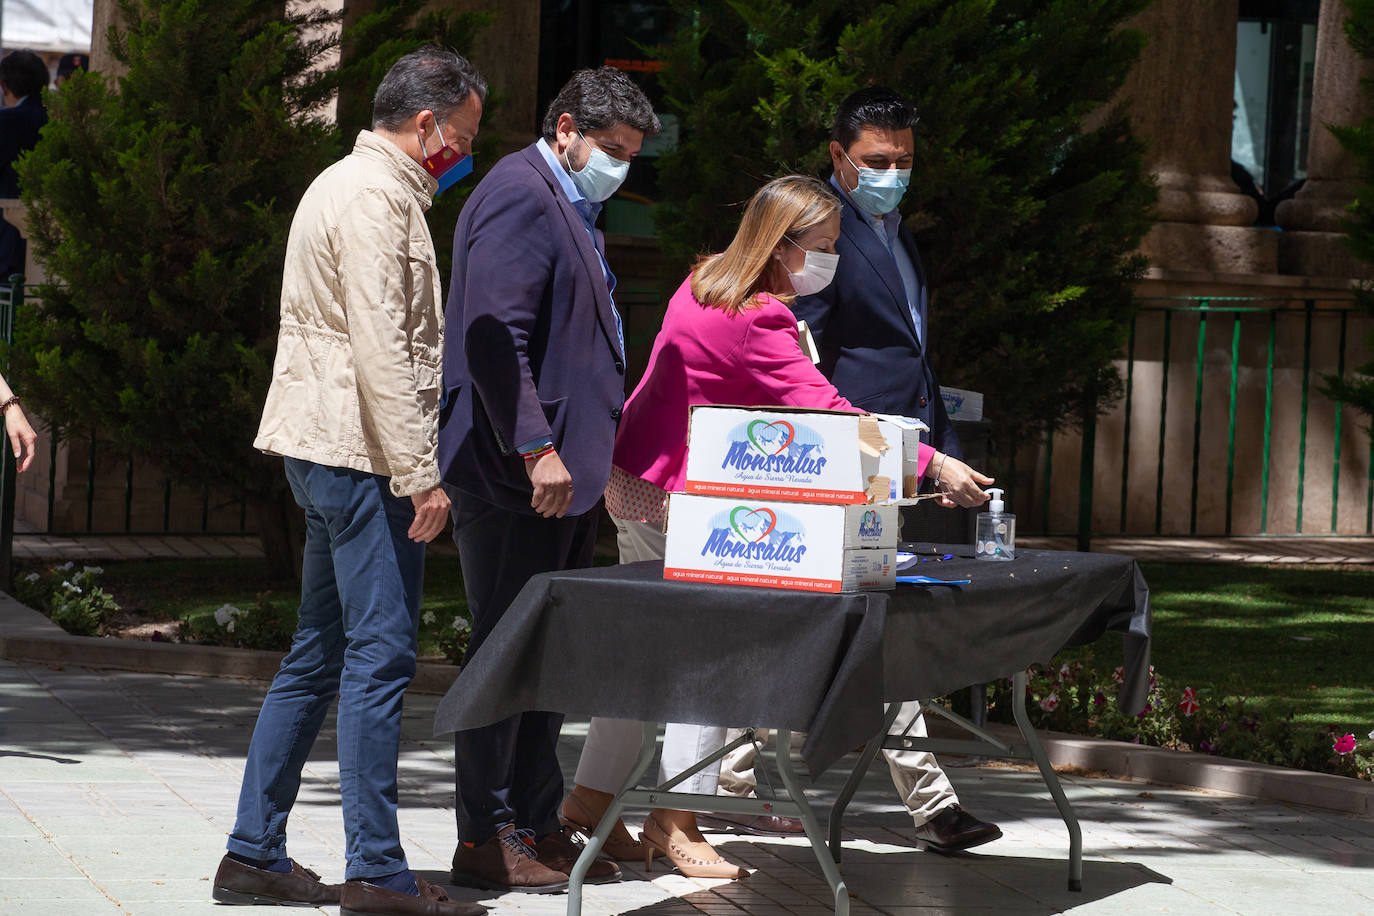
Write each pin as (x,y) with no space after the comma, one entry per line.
(879,190)
(447,166)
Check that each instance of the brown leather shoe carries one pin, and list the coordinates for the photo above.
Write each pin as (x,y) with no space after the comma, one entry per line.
(558,851)
(576,815)
(244,885)
(362,899)
(505,863)
(954,829)
(755,824)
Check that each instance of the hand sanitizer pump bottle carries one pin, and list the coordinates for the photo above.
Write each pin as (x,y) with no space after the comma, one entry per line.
(996,530)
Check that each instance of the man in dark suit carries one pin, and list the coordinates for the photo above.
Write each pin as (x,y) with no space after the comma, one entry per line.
(871,328)
(23,77)
(534,369)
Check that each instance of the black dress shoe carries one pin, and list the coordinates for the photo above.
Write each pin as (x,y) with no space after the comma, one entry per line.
(954,829)
(244,885)
(755,824)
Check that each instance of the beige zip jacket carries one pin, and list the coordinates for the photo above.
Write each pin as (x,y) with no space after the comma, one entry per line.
(357,375)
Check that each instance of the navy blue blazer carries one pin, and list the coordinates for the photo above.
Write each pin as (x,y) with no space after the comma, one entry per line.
(531,348)
(19,127)
(865,335)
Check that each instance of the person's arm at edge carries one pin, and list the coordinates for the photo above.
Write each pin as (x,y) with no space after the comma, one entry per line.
(23,440)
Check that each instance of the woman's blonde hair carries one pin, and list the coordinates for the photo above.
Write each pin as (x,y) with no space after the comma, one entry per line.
(787,206)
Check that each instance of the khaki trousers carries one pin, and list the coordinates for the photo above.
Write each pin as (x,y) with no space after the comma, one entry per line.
(922,786)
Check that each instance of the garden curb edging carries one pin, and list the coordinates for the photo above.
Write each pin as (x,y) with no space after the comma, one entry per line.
(29,636)
(1124,760)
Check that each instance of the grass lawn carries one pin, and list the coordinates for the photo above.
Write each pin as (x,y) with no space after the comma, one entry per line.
(1288,638)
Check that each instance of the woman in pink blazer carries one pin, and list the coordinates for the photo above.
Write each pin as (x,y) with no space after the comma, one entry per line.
(728,337)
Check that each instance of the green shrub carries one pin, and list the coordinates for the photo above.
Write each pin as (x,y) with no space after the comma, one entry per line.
(72,597)
(449,637)
(268,625)
(159,202)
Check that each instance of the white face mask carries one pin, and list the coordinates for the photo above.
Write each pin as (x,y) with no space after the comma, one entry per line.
(879,190)
(816,272)
(600,177)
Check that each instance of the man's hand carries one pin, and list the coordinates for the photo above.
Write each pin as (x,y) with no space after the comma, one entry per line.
(553,486)
(431,513)
(962,484)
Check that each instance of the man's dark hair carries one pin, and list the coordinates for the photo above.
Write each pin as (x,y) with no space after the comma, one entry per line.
(23,73)
(601,98)
(876,106)
(433,78)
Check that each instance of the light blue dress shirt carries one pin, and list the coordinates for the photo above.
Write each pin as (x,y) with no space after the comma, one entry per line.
(589,211)
(885,227)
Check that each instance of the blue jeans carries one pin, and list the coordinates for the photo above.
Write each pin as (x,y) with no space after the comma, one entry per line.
(360,602)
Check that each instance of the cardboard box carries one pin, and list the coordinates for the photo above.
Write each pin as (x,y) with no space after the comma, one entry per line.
(779,544)
(869,570)
(869,526)
(789,454)
(961,404)
(899,465)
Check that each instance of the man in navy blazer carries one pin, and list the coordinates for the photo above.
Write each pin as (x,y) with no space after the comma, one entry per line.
(871,328)
(23,77)
(534,369)
(870,323)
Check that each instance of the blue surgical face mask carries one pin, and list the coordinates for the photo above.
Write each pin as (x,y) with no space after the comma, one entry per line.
(879,190)
(600,177)
(448,166)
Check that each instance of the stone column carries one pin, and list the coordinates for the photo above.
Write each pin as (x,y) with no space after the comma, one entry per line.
(1181,96)
(104,15)
(1311,243)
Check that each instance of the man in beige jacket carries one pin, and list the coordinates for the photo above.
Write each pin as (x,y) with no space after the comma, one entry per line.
(353,410)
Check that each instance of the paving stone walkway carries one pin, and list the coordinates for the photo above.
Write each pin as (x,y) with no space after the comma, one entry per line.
(117,790)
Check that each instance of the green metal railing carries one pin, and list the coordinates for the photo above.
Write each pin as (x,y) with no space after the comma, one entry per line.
(1232,316)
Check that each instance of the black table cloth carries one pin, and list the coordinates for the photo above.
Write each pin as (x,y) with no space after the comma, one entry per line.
(622,642)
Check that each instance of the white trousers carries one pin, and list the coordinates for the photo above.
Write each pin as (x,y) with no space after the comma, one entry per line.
(922,785)
(613,745)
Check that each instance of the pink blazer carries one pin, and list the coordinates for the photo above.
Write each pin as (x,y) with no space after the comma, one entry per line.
(704,356)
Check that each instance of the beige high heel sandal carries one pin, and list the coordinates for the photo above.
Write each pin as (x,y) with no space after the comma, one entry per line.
(695,860)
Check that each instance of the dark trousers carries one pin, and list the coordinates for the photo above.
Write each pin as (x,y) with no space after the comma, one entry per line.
(508,772)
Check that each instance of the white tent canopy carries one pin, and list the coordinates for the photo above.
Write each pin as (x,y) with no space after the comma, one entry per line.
(47,25)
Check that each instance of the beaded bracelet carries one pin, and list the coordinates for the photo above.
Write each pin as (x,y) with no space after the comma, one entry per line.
(538,453)
(5,404)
